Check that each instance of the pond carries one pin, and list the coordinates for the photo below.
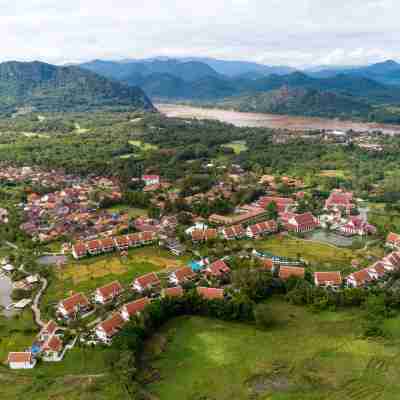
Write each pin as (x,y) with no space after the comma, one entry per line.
(52,260)
(330,238)
(6,289)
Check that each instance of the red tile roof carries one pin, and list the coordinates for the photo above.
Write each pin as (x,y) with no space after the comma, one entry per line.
(54,344)
(107,243)
(185,273)
(77,300)
(173,292)
(306,219)
(110,290)
(49,328)
(210,293)
(136,306)
(287,272)
(112,325)
(94,245)
(19,357)
(147,280)
(393,238)
(361,277)
(217,268)
(80,249)
(328,278)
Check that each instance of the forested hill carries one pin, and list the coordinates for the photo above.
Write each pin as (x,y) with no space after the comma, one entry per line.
(300,101)
(45,87)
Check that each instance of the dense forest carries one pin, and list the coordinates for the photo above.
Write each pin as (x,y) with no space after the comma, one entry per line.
(45,87)
(111,144)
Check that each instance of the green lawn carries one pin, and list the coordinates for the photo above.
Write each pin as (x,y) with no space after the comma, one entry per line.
(237,146)
(320,256)
(133,212)
(143,145)
(305,356)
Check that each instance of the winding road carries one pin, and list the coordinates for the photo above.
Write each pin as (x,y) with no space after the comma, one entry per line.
(35,305)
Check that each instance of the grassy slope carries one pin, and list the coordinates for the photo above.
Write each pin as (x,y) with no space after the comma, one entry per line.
(307,356)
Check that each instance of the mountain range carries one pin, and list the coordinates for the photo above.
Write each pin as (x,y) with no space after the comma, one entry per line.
(361,92)
(46,87)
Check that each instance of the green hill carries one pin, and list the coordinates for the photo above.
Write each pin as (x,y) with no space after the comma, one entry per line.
(299,101)
(45,87)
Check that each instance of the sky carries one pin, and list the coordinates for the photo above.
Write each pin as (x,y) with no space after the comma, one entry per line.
(274,32)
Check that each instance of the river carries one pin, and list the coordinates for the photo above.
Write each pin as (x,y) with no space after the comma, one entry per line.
(295,123)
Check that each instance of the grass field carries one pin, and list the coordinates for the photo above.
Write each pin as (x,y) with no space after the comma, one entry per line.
(304,356)
(319,256)
(333,173)
(237,146)
(133,212)
(143,145)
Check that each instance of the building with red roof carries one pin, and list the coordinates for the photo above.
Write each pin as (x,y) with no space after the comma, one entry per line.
(109,328)
(361,278)
(107,245)
(328,279)
(176,291)
(302,223)
(210,293)
(182,275)
(287,272)
(79,250)
(21,360)
(393,241)
(72,306)
(149,281)
(108,292)
(134,308)
(283,204)
(233,232)
(52,349)
(262,228)
(340,200)
(94,247)
(217,269)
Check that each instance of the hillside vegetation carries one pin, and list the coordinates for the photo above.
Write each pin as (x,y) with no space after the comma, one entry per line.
(45,87)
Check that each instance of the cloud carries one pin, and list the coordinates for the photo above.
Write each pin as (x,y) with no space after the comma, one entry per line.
(301,32)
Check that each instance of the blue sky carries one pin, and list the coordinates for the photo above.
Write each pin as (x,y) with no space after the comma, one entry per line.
(292,32)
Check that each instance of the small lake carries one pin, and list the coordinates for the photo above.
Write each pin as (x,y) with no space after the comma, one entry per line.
(6,289)
(52,260)
(330,238)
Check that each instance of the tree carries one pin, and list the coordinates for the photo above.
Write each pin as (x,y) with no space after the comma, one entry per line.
(263,316)
(272,210)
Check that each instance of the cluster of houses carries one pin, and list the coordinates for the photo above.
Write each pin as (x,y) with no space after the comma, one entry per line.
(48,346)
(110,244)
(201,232)
(35,177)
(73,211)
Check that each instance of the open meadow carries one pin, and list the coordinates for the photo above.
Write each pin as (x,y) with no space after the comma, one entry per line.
(304,356)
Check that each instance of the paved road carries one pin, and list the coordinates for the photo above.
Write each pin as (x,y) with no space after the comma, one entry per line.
(36,301)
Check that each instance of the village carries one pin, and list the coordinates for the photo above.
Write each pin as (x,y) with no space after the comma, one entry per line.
(74,210)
